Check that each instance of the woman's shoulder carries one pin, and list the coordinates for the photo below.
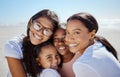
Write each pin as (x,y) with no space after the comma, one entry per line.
(13,47)
(50,73)
(17,38)
(78,68)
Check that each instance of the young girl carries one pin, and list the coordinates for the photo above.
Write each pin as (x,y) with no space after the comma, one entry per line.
(47,61)
(98,57)
(67,56)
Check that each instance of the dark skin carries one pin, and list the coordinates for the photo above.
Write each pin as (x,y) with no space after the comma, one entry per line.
(60,45)
(16,65)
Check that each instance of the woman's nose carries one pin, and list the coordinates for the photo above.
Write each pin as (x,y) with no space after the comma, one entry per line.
(69,38)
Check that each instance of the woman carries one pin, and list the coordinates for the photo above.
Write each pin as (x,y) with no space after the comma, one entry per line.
(98,58)
(41,27)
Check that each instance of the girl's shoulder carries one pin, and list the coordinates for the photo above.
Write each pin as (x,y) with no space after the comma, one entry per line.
(50,73)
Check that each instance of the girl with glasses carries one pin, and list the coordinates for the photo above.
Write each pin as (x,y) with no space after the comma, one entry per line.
(19,50)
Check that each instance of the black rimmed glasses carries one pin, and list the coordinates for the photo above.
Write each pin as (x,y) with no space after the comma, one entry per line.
(45,31)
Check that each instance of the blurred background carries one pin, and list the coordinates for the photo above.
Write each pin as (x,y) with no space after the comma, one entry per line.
(14,15)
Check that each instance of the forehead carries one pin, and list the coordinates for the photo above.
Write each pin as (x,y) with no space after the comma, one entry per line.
(59,31)
(49,49)
(45,22)
(74,25)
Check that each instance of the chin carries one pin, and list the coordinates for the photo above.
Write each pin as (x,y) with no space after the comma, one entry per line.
(73,50)
(35,43)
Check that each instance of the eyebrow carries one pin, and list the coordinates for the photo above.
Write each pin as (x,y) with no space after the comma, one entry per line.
(74,29)
(39,23)
(78,29)
(48,55)
(42,25)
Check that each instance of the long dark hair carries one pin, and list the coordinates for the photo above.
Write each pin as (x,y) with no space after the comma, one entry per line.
(108,46)
(91,24)
(28,47)
(37,51)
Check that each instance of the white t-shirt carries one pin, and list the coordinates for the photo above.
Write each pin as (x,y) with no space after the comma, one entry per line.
(13,48)
(49,73)
(96,61)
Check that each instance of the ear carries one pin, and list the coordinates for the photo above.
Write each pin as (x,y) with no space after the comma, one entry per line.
(92,34)
(38,61)
(30,23)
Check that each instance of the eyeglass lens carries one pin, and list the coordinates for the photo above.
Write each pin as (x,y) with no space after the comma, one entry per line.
(45,31)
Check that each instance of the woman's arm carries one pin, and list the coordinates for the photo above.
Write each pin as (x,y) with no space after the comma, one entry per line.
(13,53)
(16,67)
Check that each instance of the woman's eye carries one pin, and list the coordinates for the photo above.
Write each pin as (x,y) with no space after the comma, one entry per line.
(77,33)
(47,32)
(36,27)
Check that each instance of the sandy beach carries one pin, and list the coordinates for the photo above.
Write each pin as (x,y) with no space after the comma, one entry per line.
(8,32)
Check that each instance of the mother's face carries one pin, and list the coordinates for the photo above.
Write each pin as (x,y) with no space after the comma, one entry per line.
(40,30)
(77,36)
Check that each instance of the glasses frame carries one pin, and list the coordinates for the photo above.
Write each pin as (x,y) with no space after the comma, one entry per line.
(37,25)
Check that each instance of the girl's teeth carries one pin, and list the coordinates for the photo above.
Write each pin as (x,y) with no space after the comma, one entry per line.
(37,37)
(61,47)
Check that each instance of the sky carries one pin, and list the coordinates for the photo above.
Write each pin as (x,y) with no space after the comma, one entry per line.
(14,12)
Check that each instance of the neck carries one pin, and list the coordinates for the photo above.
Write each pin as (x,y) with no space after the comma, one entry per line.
(67,57)
(83,50)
